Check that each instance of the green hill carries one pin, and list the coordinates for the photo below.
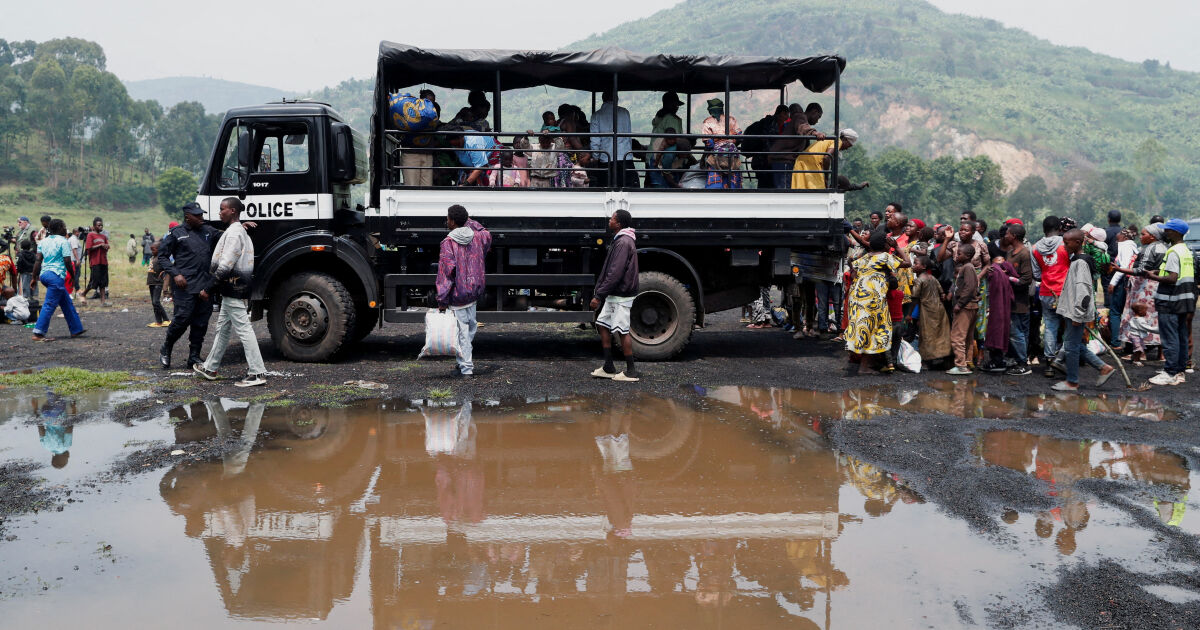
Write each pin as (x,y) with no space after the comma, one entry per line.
(942,84)
(217,95)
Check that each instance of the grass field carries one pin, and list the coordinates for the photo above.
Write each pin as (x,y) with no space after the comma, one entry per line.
(127,283)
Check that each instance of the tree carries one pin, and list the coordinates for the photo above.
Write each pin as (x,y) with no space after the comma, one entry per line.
(981,183)
(184,136)
(1148,159)
(1031,195)
(905,173)
(176,187)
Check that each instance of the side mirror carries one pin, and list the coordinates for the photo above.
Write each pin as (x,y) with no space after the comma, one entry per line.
(349,156)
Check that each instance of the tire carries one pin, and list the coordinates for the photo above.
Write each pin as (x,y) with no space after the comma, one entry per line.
(311,317)
(662,317)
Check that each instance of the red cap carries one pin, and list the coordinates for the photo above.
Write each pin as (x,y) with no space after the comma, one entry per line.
(919,223)
(172,225)
(1013,220)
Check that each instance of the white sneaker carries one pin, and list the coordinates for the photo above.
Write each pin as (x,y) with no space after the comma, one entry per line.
(251,380)
(1162,378)
(1179,379)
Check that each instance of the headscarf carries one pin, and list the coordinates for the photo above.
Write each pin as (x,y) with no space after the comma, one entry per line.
(917,222)
(1155,230)
(850,134)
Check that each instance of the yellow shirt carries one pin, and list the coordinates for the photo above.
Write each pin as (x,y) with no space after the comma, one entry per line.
(811,181)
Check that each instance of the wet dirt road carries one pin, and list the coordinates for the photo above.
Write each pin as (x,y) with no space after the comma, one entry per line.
(725,507)
(749,484)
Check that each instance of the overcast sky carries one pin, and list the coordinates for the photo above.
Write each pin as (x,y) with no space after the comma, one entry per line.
(1150,29)
(307,44)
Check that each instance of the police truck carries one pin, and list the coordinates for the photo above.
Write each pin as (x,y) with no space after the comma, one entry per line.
(328,270)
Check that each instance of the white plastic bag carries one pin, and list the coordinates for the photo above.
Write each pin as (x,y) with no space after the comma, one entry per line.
(909,357)
(1097,347)
(441,335)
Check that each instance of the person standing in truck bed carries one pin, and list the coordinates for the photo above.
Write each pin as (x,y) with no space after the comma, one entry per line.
(616,288)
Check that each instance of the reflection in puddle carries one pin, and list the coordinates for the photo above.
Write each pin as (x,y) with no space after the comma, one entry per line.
(564,513)
(461,504)
(955,398)
(1061,463)
(55,416)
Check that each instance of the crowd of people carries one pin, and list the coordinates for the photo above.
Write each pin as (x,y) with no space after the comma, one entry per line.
(909,294)
(201,267)
(784,149)
(969,298)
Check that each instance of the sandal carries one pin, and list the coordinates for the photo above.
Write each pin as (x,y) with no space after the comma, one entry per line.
(42,338)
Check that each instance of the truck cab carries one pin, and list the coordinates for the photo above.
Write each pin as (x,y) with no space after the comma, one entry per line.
(292,164)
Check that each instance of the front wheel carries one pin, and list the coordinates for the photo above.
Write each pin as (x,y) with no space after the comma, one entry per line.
(661,317)
(310,317)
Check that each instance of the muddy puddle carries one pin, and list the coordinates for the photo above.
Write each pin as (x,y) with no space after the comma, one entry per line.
(954,398)
(564,513)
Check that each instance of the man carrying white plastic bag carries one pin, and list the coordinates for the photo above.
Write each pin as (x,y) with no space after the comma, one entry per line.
(461,280)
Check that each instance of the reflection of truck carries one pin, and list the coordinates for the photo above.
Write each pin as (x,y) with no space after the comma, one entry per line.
(329,271)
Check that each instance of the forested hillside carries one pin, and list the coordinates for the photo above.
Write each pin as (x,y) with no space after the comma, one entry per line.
(70,133)
(1096,130)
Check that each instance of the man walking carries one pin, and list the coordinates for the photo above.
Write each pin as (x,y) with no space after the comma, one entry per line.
(616,288)
(96,247)
(462,277)
(185,256)
(233,267)
(1175,302)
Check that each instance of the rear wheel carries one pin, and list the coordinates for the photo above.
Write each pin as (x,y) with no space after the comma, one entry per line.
(662,317)
(311,316)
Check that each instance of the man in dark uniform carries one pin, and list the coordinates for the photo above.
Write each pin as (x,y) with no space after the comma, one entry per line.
(185,256)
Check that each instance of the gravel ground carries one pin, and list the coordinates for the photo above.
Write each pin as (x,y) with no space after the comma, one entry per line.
(931,452)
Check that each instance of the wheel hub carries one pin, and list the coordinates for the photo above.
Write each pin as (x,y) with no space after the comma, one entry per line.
(655,318)
(306,318)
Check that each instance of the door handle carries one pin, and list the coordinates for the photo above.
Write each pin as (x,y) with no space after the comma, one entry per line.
(306,202)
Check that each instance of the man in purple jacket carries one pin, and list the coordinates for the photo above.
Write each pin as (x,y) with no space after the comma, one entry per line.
(616,288)
(461,278)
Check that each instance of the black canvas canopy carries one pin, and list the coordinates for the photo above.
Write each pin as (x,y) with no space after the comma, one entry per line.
(403,66)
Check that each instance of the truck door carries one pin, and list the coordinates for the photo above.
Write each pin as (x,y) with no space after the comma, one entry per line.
(282,181)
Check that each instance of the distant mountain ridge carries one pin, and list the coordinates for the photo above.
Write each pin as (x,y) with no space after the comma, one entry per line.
(217,95)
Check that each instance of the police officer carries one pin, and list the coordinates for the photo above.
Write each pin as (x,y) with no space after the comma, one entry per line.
(185,255)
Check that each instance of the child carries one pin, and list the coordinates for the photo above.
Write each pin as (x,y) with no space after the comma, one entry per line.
(964,297)
(16,309)
(154,280)
(895,302)
(548,121)
(544,162)
(933,324)
(26,260)
(1140,327)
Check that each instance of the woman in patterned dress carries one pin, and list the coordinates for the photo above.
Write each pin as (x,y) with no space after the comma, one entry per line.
(869,330)
(1142,282)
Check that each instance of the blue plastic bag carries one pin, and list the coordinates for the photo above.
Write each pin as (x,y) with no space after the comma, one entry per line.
(411,113)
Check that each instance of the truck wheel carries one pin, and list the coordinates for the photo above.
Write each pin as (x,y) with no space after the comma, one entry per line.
(661,318)
(311,316)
